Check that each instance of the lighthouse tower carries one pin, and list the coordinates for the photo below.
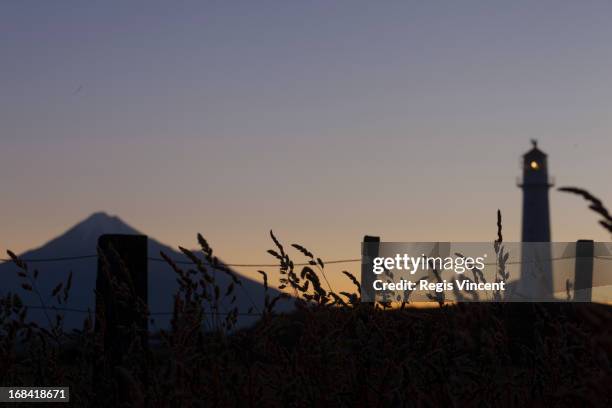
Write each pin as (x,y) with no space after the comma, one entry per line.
(536,215)
(536,270)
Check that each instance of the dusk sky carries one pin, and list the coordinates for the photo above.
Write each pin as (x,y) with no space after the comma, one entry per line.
(321,120)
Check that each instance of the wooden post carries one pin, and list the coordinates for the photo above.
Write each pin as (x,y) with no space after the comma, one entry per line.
(369,251)
(583,274)
(121,295)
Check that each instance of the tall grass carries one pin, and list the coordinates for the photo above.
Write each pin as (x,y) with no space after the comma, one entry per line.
(331,350)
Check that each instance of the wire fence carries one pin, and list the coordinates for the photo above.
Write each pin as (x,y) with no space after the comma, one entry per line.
(189,262)
(178,262)
(253,265)
(153,259)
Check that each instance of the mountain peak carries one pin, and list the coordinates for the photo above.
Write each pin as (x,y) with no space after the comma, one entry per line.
(100,214)
(100,223)
(100,217)
(83,237)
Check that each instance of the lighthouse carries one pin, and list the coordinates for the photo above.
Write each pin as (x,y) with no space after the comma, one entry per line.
(535,185)
(536,268)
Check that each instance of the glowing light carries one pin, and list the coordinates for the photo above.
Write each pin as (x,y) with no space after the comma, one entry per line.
(534,165)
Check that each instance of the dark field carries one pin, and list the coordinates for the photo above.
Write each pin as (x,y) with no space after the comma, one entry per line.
(325,354)
(331,350)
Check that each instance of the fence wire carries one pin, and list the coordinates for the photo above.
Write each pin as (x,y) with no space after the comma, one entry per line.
(188,262)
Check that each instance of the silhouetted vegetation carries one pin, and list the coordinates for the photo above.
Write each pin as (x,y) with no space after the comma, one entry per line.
(595,204)
(331,350)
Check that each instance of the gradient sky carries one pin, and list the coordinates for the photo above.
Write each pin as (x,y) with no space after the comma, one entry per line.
(322,120)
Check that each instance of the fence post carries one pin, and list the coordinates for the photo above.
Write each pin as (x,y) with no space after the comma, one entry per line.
(583,274)
(369,251)
(121,294)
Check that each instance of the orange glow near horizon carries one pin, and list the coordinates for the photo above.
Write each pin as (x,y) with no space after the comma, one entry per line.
(401,121)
